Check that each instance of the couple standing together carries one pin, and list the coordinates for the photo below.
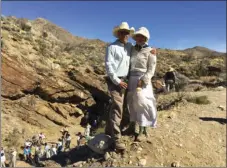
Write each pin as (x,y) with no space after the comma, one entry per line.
(136,64)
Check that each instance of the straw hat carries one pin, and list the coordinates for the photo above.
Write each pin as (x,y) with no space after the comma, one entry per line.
(123,26)
(171,69)
(142,31)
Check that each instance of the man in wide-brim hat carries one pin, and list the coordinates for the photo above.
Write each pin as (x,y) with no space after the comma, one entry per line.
(117,62)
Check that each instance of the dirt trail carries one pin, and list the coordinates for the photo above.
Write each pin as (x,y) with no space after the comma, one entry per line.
(183,135)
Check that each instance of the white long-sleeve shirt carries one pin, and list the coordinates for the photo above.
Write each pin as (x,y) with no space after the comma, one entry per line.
(117,60)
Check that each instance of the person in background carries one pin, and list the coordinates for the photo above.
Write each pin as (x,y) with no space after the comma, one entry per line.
(41,138)
(3,158)
(170,79)
(79,137)
(38,155)
(47,150)
(53,150)
(68,141)
(13,157)
(27,153)
(59,146)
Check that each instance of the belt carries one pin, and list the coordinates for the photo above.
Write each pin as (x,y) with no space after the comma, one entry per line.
(120,77)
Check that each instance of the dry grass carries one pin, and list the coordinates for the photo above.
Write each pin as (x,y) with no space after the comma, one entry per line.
(208,78)
(198,99)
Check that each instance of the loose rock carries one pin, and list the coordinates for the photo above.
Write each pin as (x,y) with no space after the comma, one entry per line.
(175,164)
(107,156)
(142,162)
(221,108)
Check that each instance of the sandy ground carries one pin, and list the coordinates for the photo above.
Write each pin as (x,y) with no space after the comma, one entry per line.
(190,134)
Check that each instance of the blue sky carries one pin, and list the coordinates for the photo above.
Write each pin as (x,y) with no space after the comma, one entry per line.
(174,25)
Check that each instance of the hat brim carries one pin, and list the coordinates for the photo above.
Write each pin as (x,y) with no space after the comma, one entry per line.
(138,33)
(116,30)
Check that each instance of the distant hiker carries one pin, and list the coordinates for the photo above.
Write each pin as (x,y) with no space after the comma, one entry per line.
(59,146)
(27,154)
(27,143)
(13,157)
(2,44)
(140,98)
(79,137)
(35,140)
(53,150)
(47,151)
(95,124)
(64,134)
(170,79)
(87,131)
(63,140)
(38,155)
(160,86)
(3,158)
(68,141)
(41,138)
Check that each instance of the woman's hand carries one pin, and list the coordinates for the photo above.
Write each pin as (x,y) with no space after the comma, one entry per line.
(153,51)
(140,83)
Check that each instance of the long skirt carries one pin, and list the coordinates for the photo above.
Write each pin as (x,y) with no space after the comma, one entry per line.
(142,104)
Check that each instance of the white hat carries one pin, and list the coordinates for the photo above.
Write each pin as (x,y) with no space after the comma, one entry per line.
(171,69)
(142,31)
(123,26)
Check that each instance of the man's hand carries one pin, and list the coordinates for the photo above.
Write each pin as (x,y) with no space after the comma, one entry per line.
(123,85)
(153,51)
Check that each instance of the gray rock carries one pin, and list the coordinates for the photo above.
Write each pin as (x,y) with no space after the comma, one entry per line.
(107,156)
(78,164)
(221,108)
(142,162)
(175,164)
(220,88)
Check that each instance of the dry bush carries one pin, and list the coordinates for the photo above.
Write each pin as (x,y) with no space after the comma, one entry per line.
(16,36)
(208,78)
(167,101)
(198,99)
(13,139)
(28,37)
(24,24)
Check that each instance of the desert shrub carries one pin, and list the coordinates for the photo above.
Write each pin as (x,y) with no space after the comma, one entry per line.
(208,78)
(16,36)
(187,58)
(198,100)
(45,34)
(6,27)
(42,47)
(13,139)
(24,52)
(28,37)
(24,24)
(35,48)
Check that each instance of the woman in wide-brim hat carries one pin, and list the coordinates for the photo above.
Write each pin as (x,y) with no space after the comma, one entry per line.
(141,100)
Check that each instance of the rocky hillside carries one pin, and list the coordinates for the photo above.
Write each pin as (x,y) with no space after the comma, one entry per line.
(50,77)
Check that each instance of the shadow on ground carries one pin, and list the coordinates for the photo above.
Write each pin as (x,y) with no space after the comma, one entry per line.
(75,155)
(220,120)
